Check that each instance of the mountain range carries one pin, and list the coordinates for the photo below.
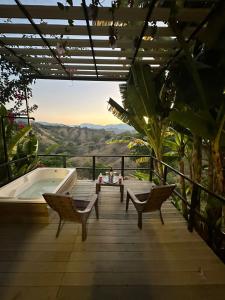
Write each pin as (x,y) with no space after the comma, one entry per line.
(116,128)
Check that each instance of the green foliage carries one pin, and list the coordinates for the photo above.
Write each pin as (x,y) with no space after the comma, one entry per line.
(141,175)
(14,86)
(145,106)
(71,22)
(17,141)
(60,5)
(144,84)
(117,141)
(63,7)
(20,143)
(70,2)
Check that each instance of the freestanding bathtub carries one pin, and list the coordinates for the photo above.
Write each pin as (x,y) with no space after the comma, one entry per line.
(21,200)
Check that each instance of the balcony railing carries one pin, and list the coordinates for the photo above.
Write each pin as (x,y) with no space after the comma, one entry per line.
(94,168)
(193,201)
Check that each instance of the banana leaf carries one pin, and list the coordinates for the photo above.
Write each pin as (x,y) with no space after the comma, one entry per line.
(201,124)
(125,116)
(17,138)
(30,146)
(145,86)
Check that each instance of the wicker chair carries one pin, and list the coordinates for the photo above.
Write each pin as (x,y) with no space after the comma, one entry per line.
(73,210)
(151,201)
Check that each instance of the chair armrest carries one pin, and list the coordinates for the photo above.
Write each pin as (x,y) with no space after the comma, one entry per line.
(142,197)
(91,203)
(134,198)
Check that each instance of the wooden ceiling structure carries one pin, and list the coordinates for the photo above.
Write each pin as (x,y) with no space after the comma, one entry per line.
(32,34)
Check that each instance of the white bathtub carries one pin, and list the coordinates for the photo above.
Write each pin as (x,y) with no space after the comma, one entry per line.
(21,199)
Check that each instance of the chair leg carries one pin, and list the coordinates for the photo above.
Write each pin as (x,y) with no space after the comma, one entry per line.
(84,230)
(161,217)
(96,209)
(127,201)
(59,227)
(140,219)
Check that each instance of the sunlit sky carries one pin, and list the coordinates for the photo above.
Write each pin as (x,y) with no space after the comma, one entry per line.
(74,102)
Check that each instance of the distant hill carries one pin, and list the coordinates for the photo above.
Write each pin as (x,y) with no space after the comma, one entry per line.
(51,124)
(77,142)
(116,128)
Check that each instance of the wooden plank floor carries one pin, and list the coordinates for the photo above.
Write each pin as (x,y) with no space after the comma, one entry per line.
(118,261)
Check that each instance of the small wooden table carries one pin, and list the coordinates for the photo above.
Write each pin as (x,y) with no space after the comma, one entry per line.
(116,184)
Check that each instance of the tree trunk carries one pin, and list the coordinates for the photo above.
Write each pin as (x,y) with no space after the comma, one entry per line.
(159,166)
(197,159)
(197,170)
(218,176)
(183,189)
(210,167)
(214,207)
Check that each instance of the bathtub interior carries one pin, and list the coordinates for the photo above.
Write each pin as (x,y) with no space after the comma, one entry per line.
(37,182)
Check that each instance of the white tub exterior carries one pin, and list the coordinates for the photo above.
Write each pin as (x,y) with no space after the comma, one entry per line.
(14,207)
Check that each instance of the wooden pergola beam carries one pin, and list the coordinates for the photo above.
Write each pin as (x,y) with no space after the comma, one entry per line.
(123,31)
(38,31)
(124,44)
(123,14)
(89,34)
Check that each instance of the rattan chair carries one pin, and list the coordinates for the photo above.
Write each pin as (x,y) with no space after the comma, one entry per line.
(151,201)
(70,209)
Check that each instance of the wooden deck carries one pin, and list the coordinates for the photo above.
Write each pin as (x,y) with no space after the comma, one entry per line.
(118,261)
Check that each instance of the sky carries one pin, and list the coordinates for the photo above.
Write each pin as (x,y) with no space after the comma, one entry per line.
(74,102)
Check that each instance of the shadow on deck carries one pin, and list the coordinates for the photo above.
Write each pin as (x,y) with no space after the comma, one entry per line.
(117,261)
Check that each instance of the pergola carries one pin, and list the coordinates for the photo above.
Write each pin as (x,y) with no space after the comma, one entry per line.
(104,47)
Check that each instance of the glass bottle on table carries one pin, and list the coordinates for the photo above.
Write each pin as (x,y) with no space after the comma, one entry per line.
(120,179)
(111,175)
(100,178)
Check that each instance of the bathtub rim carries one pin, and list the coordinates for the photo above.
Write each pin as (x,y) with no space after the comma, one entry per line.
(12,199)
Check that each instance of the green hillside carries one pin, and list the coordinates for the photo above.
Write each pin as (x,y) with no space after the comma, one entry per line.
(77,142)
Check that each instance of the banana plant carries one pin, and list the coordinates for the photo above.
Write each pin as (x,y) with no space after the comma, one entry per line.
(200,106)
(179,148)
(144,108)
(20,142)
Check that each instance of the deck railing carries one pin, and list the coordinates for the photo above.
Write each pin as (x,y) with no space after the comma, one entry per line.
(195,217)
(94,168)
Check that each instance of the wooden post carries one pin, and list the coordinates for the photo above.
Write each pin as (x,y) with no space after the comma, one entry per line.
(151,168)
(165,171)
(195,198)
(122,166)
(93,168)
(27,106)
(64,161)
(6,160)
